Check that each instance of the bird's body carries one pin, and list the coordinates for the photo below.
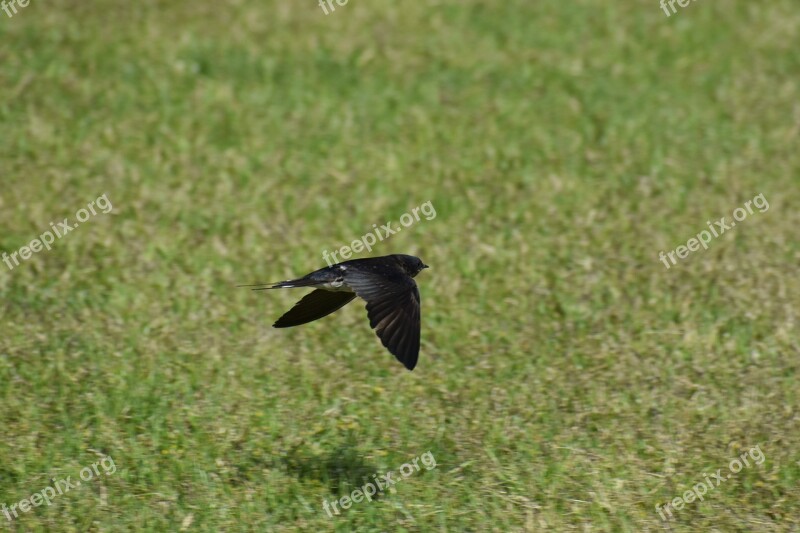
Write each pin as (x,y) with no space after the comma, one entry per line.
(385,283)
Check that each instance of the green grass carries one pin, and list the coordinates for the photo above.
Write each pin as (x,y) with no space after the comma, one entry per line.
(567,379)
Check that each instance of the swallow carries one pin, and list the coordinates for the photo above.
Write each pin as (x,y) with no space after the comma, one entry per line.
(385,283)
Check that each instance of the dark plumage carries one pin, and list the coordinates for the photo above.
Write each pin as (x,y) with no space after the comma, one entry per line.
(385,283)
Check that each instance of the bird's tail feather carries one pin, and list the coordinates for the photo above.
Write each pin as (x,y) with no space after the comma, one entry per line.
(289,284)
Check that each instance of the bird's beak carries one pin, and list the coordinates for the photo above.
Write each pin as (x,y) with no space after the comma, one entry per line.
(425,266)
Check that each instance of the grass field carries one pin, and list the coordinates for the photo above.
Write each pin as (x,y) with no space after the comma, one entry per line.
(568,380)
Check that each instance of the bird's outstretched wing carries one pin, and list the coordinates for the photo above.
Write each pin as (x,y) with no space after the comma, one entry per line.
(393,307)
(314,306)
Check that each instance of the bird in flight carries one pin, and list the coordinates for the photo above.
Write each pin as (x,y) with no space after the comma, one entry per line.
(386,283)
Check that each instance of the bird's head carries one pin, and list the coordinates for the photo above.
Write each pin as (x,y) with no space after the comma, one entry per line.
(412,265)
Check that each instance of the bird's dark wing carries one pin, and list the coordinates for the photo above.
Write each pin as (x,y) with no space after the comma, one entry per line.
(314,306)
(393,307)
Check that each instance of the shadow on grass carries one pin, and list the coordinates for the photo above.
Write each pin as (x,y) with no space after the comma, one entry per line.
(340,470)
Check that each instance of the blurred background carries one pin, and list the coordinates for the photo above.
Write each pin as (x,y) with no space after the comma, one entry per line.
(567,379)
